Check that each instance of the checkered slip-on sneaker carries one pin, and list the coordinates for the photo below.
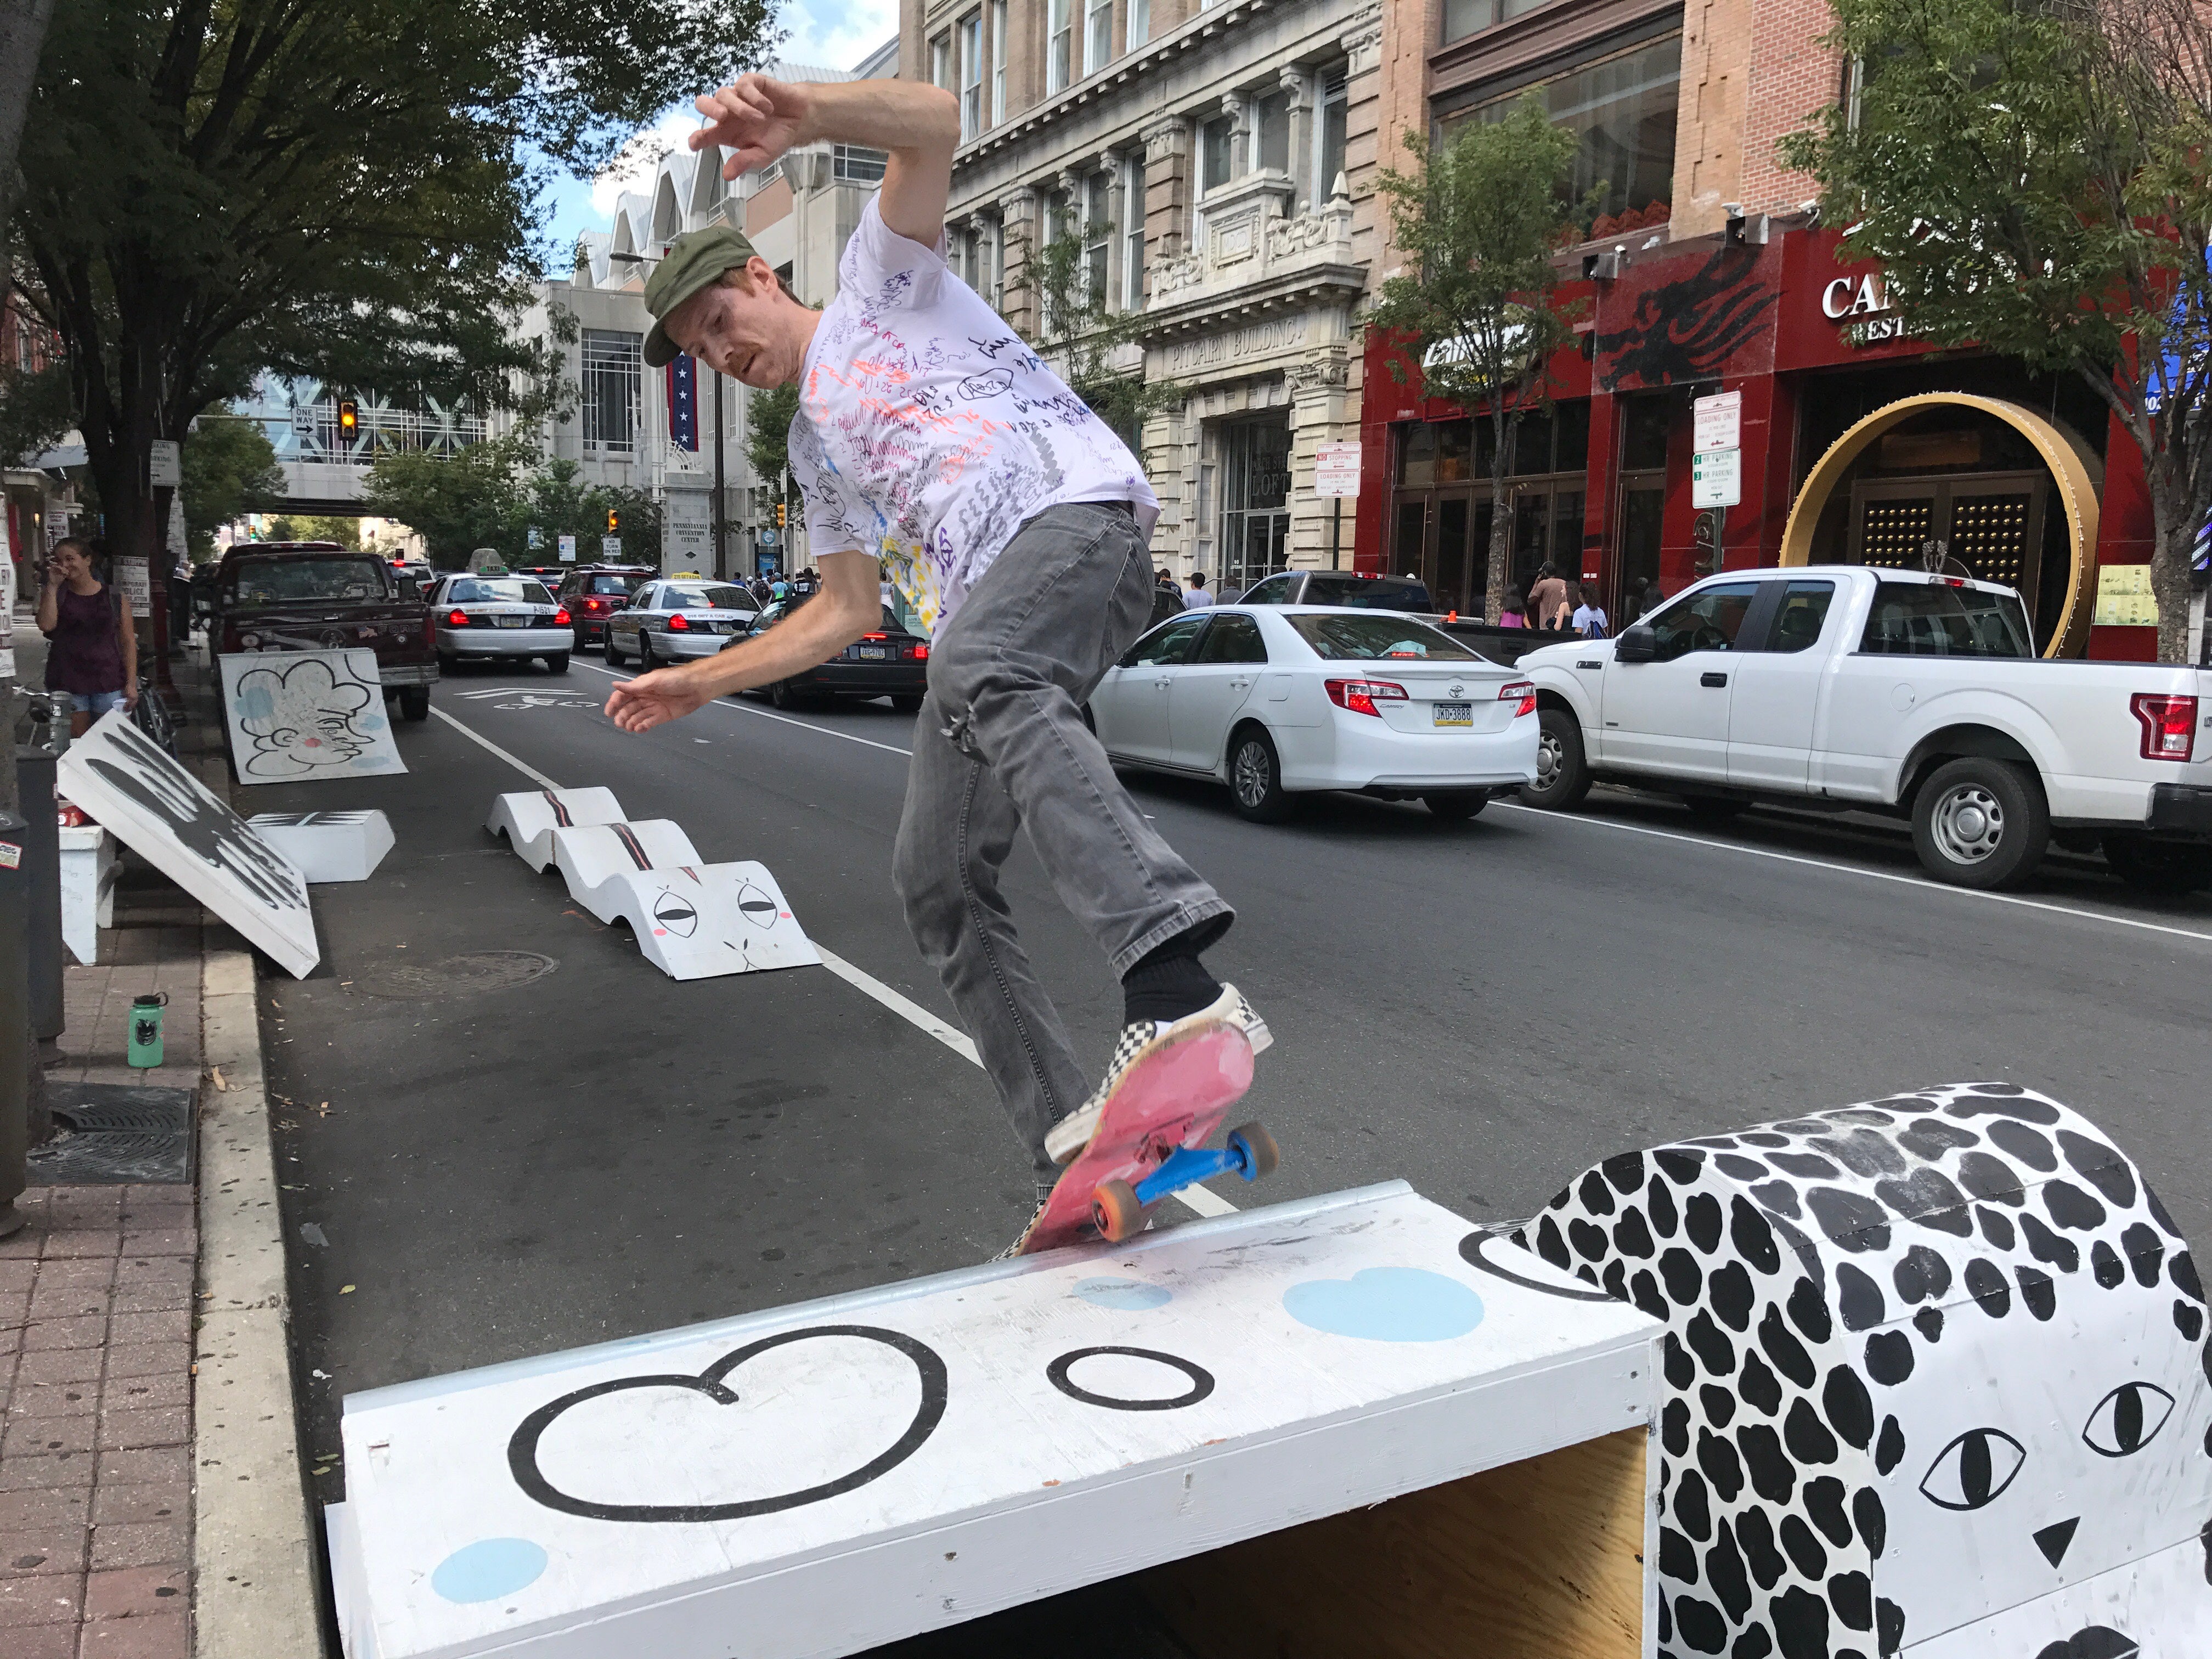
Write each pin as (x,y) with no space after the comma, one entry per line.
(1023,1238)
(1073,1133)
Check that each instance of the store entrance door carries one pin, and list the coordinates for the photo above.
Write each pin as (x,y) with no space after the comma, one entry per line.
(1455,559)
(1255,492)
(1987,525)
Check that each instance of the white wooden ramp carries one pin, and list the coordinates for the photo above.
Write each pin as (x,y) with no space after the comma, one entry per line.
(817,1480)
(528,818)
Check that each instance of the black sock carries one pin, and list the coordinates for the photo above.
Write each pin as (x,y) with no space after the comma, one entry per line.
(1170,981)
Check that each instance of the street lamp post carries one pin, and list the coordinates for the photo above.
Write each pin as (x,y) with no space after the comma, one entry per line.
(721,527)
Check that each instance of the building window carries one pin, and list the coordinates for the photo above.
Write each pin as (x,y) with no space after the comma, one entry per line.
(1133,232)
(1213,143)
(1466,17)
(613,374)
(940,63)
(855,164)
(1098,234)
(1056,209)
(994,252)
(1271,132)
(1328,137)
(971,74)
(1059,43)
(998,61)
(1140,23)
(1097,34)
(1623,110)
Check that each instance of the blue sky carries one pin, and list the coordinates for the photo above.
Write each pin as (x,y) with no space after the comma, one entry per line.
(827,33)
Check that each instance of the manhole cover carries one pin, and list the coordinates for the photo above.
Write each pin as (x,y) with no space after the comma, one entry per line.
(478,970)
(97,1107)
(108,1157)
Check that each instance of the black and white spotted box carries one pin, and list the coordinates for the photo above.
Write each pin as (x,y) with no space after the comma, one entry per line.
(1936,1381)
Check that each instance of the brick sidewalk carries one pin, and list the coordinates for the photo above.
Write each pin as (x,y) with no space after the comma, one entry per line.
(95,1346)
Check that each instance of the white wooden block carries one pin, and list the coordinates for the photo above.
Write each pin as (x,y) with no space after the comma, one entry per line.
(328,846)
(529,818)
(690,919)
(88,868)
(817,1480)
(590,857)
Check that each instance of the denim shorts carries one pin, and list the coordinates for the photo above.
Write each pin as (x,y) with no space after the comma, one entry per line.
(95,703)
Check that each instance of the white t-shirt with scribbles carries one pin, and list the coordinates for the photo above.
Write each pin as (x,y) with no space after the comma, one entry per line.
(929,431)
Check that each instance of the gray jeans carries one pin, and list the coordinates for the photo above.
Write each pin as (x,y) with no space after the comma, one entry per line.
(1000,744)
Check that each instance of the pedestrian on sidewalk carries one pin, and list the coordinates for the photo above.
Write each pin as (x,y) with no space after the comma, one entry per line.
(1018,528)
(1514,615)
(1197,598)
(91,651)
(1589,619)
(1547,598)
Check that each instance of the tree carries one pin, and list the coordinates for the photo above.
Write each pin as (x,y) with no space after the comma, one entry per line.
(2032,179)
(457,503)
(341,189)
(1479,222)
(346,532)
(1089,345)
(229,470)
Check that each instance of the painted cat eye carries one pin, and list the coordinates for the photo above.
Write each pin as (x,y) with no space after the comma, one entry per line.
(1973,1470)
(2125,1421)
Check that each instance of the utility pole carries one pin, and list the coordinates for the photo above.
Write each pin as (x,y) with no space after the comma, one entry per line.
(721,520)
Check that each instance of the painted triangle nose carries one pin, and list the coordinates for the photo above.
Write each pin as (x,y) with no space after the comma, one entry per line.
(2053,1539)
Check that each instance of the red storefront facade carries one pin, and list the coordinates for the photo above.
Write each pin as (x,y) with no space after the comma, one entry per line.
(1987,468)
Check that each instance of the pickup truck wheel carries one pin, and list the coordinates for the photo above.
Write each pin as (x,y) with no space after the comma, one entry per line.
(1713,809)
(415,702)
(1979,822)
(1255,778)
(2172,868)
(1562,776)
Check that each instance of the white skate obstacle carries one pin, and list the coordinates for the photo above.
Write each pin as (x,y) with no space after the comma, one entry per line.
(691,920)
(819,1480)
(328,846)
(529,818)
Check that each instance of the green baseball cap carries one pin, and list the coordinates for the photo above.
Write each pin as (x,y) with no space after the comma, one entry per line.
(694,260)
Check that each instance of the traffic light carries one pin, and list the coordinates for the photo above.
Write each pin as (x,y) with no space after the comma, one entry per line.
(614,522)
(779,515)
(349,421)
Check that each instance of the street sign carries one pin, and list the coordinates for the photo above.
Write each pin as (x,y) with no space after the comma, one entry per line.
(567,550)
(164,464)
(534,537)
(303,420)
(1336,469)
(611,549)
(768,538)
(135,582)
(1716,477)
(1717,423)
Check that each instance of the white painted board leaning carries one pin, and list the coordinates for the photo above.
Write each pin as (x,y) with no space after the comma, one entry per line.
(168,817)
(304,716)
(828,1477)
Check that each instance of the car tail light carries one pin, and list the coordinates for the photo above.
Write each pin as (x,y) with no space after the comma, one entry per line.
(2169,725)
(679,623)
(595,606)
(561,618)
(1525,690)
(1360,697)
(875,636)
(921,654)
(456,619)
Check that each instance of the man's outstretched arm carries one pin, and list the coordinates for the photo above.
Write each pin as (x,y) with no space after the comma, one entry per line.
(849,604)
(760,118)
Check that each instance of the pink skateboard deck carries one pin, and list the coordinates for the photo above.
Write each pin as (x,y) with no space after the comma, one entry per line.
(1174,1097)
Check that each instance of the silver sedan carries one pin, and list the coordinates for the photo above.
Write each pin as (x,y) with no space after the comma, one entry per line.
(676,618)
(506,618)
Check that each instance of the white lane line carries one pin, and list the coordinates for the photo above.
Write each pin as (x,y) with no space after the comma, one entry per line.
(1195,1198)
(781,719)
(1860,870)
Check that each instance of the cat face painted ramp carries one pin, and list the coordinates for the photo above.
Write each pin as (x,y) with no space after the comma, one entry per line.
(696,921)
(529,818)
(594,858)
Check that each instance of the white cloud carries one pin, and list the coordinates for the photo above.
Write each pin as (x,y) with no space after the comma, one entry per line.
(835,35)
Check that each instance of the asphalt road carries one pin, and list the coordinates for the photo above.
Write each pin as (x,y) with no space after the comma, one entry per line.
(1484,1009)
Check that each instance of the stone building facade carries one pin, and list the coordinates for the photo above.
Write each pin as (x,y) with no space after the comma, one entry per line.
(1218,163)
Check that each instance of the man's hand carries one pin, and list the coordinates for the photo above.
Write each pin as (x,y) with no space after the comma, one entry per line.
(759,118)
(655,699)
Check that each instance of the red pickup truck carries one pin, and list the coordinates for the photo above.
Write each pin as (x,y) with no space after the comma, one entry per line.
(318,596)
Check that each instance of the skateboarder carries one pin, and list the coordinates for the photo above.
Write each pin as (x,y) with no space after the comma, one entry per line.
(930,438)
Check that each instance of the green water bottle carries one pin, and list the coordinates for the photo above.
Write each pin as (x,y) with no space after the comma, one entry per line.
(143,1049)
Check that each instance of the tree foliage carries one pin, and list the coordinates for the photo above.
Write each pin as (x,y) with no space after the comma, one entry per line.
(341,189)
(769,415)
(494,493)
(1096,350)
(229,470)
(1478,221)
(2032,180)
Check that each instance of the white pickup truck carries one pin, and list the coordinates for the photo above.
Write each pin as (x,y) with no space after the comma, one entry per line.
(1845,686)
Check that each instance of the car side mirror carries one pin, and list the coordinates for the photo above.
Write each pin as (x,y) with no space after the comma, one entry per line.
(1637,643)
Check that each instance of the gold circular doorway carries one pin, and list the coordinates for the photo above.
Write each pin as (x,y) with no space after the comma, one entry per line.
(2069,472)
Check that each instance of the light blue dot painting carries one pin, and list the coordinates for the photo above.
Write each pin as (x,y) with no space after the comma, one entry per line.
(1126,1295)
(488,1569)
(1387,1304)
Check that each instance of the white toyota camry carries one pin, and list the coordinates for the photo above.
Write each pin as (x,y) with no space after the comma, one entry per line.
(1275,700)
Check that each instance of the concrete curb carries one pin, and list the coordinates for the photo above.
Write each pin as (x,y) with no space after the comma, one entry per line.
(256,1584)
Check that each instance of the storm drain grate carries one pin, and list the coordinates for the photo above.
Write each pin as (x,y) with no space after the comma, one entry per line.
(461,975)
(115,1131)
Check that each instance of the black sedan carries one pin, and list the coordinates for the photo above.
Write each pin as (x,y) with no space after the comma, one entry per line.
(885,662)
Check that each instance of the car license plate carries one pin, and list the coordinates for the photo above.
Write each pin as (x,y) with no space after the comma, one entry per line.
(875,652)
(1453,714)
(512,621)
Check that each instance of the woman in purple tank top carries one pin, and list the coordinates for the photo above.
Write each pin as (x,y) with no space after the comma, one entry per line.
(91,651)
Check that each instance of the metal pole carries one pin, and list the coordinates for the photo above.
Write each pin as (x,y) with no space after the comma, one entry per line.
(14,1032)
(721,528)
(1336,532)
(42,882)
